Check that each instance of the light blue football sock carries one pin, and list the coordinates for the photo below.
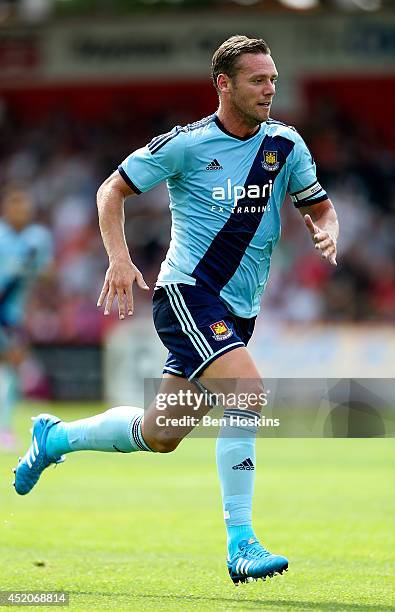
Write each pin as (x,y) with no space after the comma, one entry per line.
(116,430)
(236,469)
(8,395)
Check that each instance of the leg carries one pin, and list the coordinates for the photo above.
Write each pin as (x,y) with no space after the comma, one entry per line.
(12,354)
(209,341)
(8,398)
(236,373)
(116,430)
(158,432)
(126,428)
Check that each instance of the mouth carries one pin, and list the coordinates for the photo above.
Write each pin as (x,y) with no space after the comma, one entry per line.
(264,104)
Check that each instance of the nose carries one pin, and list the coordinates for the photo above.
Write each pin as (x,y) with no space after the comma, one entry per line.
(269,88)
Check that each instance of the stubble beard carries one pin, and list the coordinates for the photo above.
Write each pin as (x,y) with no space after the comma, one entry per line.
(251,120)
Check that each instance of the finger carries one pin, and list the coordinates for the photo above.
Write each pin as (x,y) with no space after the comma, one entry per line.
(109,301)
(330,250)
(141,282)
(129,299)
(324,244)
(121,303)
(330,254)
(320,236)
(103,294)
(310,225)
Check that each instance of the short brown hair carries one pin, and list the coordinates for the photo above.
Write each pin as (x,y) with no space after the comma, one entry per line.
(225,57)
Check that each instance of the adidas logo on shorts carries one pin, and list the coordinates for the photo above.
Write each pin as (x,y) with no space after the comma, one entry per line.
(214,165)
(244,465)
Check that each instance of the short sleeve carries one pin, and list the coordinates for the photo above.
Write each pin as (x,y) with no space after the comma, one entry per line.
(303,186)
(161,159)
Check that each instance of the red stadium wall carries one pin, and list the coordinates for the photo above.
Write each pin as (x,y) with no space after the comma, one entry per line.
(96,101)
(369,100)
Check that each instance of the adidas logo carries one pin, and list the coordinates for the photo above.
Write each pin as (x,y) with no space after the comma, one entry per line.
(214,165)
(244,465)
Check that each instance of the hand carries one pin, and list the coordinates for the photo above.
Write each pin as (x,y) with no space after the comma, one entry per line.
(323,241)
(118,281)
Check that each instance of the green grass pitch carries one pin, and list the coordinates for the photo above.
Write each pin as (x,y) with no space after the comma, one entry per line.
(145,532)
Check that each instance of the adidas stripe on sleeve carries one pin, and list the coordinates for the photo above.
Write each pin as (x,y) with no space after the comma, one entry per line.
(303,186)
(161,159)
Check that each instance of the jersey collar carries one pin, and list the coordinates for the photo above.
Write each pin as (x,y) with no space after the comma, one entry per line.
(223,129)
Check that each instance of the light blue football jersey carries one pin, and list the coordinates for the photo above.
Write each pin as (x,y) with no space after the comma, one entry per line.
(225,198)
(23,255)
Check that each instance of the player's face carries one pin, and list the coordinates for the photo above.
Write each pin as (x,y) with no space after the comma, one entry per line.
(252,89)
(18,209)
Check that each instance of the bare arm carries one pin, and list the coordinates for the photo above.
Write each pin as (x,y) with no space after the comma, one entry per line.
(121,272)
(321,221)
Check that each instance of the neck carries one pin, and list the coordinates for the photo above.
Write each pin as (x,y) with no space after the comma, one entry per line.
(235,123)
(16,227)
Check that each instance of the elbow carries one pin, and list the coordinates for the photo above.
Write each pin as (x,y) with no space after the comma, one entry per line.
(103,189)
(113,188)
(109,192)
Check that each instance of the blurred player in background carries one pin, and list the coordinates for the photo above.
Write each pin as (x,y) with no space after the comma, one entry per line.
(25,253)
(227,176)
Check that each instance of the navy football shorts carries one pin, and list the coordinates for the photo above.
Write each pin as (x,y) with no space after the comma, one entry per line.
(196,327)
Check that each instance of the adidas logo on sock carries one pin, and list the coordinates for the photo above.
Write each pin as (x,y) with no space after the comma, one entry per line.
(244,465)
(214,165)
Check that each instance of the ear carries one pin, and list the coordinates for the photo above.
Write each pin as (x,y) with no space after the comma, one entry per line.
(223,83)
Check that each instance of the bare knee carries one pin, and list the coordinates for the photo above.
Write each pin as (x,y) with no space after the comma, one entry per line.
(254,397)
(248,394)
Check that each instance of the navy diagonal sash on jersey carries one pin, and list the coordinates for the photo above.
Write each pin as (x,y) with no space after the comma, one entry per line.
(11,287)
(223,257)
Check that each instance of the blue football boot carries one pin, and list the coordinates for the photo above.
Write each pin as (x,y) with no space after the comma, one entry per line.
(253,561)
(29,467)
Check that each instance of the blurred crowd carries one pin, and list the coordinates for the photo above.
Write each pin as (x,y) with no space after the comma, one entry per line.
(356,168)
(63,161)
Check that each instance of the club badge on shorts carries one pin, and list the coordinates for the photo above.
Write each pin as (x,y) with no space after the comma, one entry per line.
(220,330)
(270,161)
